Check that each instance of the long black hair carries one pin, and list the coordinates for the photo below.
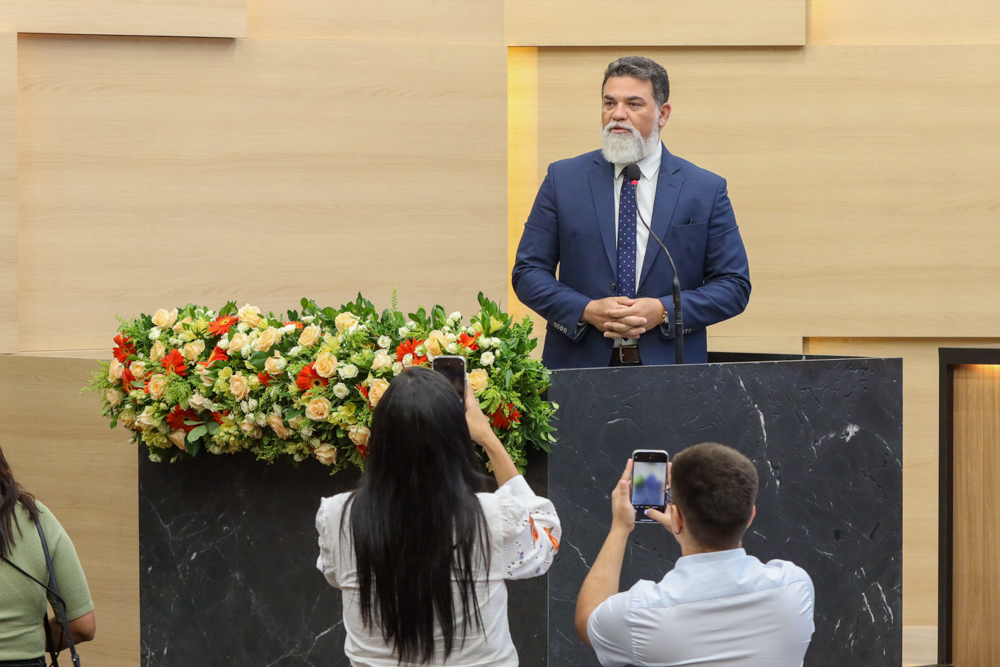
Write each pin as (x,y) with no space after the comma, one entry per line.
(416,523)
(11,494)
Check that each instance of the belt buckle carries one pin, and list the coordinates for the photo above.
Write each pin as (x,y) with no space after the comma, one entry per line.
(628,354)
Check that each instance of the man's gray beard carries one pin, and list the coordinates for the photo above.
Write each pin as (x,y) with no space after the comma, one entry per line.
(627,148)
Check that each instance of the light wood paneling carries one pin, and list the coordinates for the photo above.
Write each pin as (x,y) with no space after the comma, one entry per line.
(156,172)
(755,344)
(8,192)
(181,18)
(976,550)
(880,22)
(61,450)
(862,177)
(428,21)
(659,23)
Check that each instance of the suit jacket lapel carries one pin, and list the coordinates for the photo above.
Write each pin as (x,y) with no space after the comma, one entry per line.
(668,188)
(602,186)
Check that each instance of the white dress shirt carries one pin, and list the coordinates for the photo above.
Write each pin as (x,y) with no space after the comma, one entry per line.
(645,197)
(716,609)
(524,537)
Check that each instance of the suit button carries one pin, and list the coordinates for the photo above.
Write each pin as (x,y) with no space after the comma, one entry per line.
(614,286)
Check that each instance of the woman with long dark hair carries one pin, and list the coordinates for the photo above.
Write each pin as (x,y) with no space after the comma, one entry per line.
(23,601)
(419,551)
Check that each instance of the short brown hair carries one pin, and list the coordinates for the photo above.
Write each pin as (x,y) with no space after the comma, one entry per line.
(643,69)
(715,488)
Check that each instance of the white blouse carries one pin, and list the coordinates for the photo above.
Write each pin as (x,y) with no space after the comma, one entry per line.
(524,537)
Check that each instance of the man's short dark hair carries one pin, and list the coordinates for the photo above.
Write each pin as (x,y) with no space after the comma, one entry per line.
(643,69)
(715,488)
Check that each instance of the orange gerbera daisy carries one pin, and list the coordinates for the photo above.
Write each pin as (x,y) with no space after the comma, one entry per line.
(468,341)
(220,325)
(501,420)
(123,347)
(410,347)
(177,417)
(174,363)
(308,379)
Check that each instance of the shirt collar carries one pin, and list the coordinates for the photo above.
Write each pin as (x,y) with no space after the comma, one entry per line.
(649,165)
(711,557)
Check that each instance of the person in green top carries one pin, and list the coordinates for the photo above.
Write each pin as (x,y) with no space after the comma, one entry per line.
(22,601)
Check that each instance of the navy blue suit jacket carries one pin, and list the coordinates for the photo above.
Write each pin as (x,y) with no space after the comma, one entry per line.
(572,227)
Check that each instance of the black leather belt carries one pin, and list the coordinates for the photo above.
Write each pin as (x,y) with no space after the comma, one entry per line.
(626,355)
(37,662)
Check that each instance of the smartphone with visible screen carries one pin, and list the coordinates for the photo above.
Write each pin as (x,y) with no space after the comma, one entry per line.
(453,368)
(649,482)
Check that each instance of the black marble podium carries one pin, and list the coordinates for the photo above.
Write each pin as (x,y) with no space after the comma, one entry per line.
(228,548)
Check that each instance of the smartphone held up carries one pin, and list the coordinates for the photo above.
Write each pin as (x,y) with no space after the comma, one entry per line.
(453,368)
(649,482)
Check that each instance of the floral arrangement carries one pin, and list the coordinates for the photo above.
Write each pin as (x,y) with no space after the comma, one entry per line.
(305,385)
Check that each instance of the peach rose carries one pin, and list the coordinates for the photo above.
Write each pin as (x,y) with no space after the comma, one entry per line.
(376,388)
(178,438)
(435,344)
(325,365)
(277,425)
(127,419)
(138,369)
(237,343)
(309,336)
(345,321)
(479,380)
(382,361)
(275,364)
(115,370)
(326,454)
(157,385)
(197,402)
(239,385)
(318,409)
(294,422)
(179,327)
(250,315)
(359,435)
(164,319)
(269,337)
(114,397)
(250,429)
(157,352)
(192,351)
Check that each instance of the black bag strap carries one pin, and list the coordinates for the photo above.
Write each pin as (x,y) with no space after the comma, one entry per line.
(58,604)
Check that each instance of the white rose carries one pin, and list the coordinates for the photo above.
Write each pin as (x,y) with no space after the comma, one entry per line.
(384,342)
(223,344)
(486,359)
(452,348)
(455,316)
(407,360)
(451,338)
(484,343)
(421,351)
(154,333)
(295,351)
(403,331)
(347,372)
(397,368)
(242,327)
(340,390)
(287,329)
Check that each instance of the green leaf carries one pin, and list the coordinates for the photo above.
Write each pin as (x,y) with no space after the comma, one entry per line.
(257,360)
(114,421)
(193,422)
(197,432)
(213,427)
(194,447)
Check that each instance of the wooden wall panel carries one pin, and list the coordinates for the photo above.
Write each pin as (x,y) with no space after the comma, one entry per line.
(8,192)
(659,23)
(862,177)
(61,450)
(182,18)
(883,22)
(426,21)
(976,549)
(162,171)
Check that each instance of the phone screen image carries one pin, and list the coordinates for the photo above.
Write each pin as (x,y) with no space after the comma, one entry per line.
(453,368)
(649,482)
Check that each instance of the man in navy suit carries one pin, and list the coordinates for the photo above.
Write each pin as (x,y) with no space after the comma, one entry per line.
(611,303)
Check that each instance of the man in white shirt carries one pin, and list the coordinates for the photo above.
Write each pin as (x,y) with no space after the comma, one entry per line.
(718,606)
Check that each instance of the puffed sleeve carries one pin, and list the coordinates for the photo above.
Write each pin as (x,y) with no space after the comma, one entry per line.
(328,527)
(529,531)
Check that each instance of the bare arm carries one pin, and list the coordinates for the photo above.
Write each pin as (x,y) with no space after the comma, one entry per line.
(479,427)
(83,630)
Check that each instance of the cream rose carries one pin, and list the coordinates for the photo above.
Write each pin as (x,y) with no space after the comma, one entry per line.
(479,380)
(382,361)
(114,397)
(197,402)
(376,388)
(178,438)
(145,420)
(157,385)
(340,390)
(309,336)
(384,341)
(397,368)
(179,327)
(269,337)
(127,419)
(164,319)
(486,359)
(250,315)
(275,364)
(192,351)
(435,343)
(318,409)
(359,435)
(294,422)
(138,369)
(237,342)
(239,385)
(277,425)
(347,372)
(157,352)
(325,365)
(345,321)
(250,429)
(326,454)
(115,370)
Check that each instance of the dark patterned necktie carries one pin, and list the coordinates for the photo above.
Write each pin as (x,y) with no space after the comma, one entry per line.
(626,240)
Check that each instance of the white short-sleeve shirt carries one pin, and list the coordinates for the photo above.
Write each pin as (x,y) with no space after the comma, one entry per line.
(712,610)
